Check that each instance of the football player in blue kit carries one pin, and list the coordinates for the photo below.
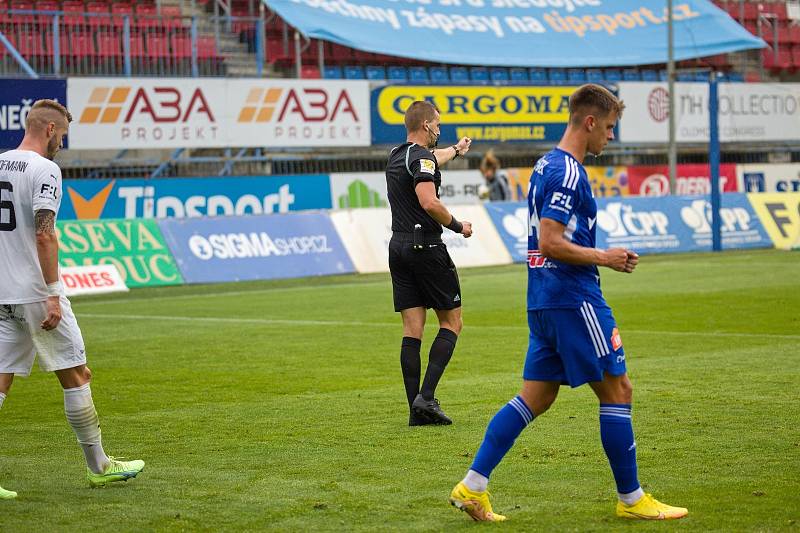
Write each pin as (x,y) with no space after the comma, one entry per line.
(573,335)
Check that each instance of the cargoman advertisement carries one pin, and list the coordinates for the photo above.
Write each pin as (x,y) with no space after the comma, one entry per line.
(747,112)
(653,180)
(193,197)
(482,113)
(135,247)
(127,113)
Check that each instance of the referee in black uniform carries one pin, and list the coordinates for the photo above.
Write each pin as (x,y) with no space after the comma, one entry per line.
(423,275)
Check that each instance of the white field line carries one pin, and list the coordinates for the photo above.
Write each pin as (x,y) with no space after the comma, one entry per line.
(397,325)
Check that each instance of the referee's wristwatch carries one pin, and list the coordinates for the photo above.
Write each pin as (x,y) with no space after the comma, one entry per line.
(458,152)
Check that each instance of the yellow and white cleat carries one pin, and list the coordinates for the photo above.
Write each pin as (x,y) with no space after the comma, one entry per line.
(7,494)
(648,508)
(475,504)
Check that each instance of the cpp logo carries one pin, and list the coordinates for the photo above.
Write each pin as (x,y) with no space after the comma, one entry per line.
(697,216)
(620,220)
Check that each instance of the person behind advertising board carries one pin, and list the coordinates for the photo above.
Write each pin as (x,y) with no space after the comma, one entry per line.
(497,188)
(573,335)
(423,274)
(35,316)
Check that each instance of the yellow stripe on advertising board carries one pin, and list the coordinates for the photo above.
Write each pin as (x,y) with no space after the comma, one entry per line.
(780,216)
(479,105)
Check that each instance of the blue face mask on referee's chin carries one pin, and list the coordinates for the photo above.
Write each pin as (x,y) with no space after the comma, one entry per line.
(435,142)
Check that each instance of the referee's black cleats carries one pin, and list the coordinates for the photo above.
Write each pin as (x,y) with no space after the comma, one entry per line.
(428,410)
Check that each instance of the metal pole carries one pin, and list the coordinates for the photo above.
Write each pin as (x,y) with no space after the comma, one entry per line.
(193,30)
(56,46)
(261,34)
(713,159)
(126,45)
(297,61)
(673,149)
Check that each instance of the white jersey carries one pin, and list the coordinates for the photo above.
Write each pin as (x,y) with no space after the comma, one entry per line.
(28,183)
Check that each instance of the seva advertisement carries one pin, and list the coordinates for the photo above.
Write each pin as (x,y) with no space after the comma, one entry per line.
(747,112)
(482,113)
(193,197)
(648,225)
(211,250)
(135,247)
(129,113)
(16,98)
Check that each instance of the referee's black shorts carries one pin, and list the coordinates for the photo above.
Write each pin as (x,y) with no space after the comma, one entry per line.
(422,278)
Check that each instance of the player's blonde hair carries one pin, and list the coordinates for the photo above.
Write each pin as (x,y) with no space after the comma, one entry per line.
(593,99)
(43,112)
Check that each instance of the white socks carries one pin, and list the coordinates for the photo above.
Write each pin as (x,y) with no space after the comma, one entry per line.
(82,416)
(476,482)
(631,497)
(2,397)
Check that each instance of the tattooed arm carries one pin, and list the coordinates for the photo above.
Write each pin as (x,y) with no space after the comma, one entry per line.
(47,249)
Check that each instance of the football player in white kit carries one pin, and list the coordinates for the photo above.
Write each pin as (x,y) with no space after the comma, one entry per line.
(35,316)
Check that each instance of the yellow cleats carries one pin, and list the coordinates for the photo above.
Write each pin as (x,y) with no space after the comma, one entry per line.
(648,508)
(475,504)
(7,494)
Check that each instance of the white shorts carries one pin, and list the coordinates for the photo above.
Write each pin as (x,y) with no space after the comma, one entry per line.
(22,338)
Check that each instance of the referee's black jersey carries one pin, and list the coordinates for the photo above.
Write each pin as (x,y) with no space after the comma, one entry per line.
(408,165)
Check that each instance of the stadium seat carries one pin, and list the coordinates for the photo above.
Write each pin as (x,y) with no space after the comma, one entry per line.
(171,16)
(419,74)
(631,74)
(538,76)
(649,75)
(479,75)
(576,76)
(459,75)
(612,75)
(310,72)
(499,74)
(332,72)
(109,46)
(23,19)
(519,75)
(439,75)
(45,5)
(662,75)
(375,72)
(736,77)
(794,33)
(557,76)
(684,76)
(782,62)
(796,56)
(276,53)
(354,72)
(73,13)
(339,54)
(146,16)
(397,74)
(99,15)
(594,75)
(119,10)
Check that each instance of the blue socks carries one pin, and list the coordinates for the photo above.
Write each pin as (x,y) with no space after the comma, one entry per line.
(616,432)
(503,430)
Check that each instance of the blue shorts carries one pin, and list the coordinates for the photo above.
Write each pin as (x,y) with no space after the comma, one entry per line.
(573,346)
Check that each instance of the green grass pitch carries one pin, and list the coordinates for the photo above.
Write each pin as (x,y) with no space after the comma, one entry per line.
(280,405)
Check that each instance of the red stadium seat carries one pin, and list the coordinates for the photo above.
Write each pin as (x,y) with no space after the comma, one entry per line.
(796,56)
(310,72)
(207,47)
(776,8)
(109,45)
(47,5)
(276,53)
(157,46)
(782,62)
(30,45)
(146,16)
(171,16)
(22,19)
(101,10)
(73,13)
(794,33)
(119,10)
(181,46)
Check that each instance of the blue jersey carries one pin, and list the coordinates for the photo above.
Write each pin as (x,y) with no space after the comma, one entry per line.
(559,189)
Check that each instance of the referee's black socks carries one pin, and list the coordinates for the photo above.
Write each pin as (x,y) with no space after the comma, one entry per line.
(441,351)
(410,363)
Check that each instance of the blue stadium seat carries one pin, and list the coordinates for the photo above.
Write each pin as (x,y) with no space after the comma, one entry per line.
(539,76)
(519,75)
(558,76)
(576,75)
(439,75)
(332,72)
(662,75)
(418,74)
(479,75)
(397,74)
(375,72)
(701,76)
(459,75)
(499,74)
(613,75)
(684,76)
(631,74)
(649,75)
(737,77)
(354,72)
(594,75)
